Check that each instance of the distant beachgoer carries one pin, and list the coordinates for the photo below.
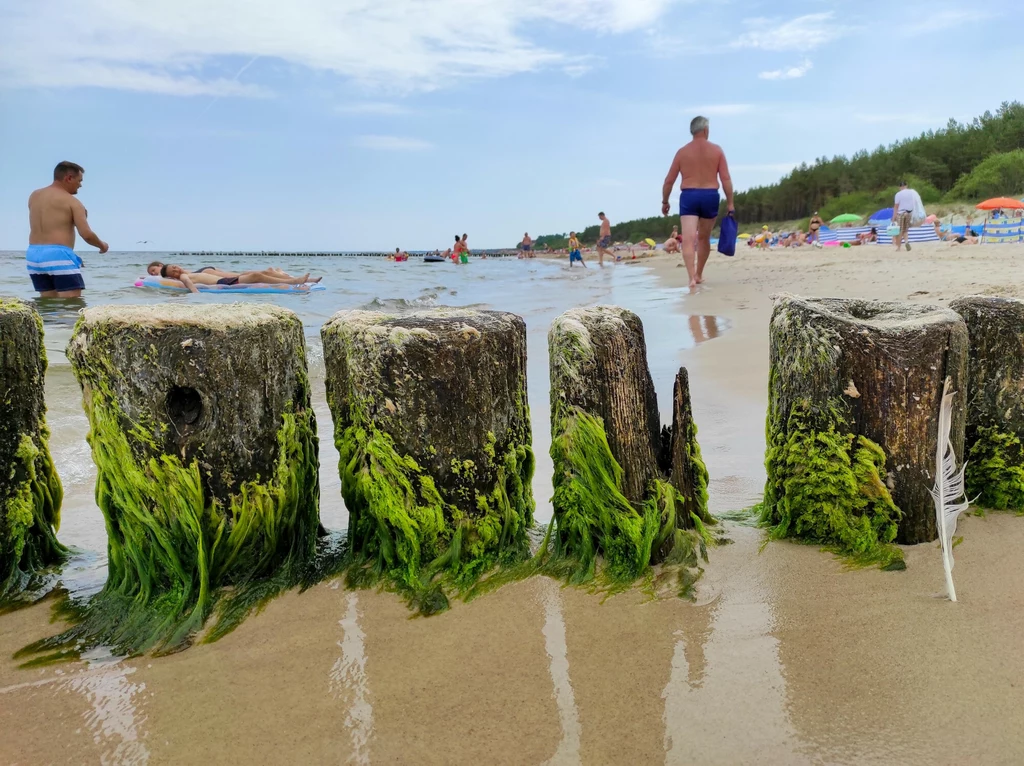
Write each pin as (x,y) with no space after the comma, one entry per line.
(905,204)
(813,227)
(54,214)
(527,246)
(604,240)
(154,271)
(764,239)
(867,236)
(701,164)
(176,272)
(672,243)
(574,250)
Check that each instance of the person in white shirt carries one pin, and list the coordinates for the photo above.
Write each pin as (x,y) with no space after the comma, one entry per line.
(906,204)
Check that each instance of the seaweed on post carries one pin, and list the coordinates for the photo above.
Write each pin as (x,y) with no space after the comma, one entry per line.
(433,436)
(30,491)
(666,519)
(185,534)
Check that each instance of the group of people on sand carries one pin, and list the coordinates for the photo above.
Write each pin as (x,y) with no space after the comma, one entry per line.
(55,268)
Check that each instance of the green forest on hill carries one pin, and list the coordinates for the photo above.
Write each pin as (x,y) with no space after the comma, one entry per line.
(963,162)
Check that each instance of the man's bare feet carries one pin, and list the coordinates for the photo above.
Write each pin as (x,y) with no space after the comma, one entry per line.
(315,280)
(693,284)
(700,279)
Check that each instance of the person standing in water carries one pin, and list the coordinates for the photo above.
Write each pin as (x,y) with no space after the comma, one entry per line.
(54,214)
(574,250)
(702,165)
(527,245)
(604,239)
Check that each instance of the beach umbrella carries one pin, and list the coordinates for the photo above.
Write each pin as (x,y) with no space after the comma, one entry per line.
(744,236)
(650,242)
(846,218)
(885,214)
(996,203)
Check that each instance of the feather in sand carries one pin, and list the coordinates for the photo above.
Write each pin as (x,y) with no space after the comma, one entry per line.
(949,486)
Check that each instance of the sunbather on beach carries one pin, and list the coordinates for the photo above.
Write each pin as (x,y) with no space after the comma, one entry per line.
(672,243)
(175,272)
(154,271)
(867,236)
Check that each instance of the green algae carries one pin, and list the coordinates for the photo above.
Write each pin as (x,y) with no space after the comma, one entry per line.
(176,552)
(995,470)
(828,487)
(405,536)
(594,519)
(29,520)
(30,492)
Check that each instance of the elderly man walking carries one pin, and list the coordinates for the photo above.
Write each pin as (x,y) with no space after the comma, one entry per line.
(702,165)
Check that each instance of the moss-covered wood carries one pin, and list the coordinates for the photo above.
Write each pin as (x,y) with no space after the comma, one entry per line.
(206,454)
(623,492)
(30,492)
(995,400)
(854,393)
(433,431)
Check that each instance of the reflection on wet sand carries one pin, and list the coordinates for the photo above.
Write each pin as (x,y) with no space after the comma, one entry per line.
(554,641)
(116,726)
(725,669)
(705,328)
(349,685)
(878,665)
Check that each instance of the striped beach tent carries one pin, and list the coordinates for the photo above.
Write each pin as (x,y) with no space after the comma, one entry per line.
(1002,231)
(916,234)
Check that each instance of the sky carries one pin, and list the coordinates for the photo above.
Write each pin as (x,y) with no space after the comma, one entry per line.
(373,124)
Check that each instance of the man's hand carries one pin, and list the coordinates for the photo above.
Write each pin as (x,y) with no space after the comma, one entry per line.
(665,207)
(730,207)
(103,247)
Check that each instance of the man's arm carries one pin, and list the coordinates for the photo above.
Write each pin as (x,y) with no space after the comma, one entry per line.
(188,283)
(82,224)
(726,179)
(670,181)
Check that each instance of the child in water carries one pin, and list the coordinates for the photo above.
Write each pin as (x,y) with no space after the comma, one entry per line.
(574,250)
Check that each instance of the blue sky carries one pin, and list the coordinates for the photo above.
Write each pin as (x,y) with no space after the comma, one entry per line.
(370,124)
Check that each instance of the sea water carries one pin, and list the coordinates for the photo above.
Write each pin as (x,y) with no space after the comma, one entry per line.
(536,289)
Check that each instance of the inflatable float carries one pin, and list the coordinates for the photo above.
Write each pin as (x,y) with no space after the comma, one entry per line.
(433,259)
(255,288)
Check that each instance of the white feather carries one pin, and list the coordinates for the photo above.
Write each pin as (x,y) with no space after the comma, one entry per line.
(949,486)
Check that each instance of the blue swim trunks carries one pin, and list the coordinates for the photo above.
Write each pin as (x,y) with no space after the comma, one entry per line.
(575,256)
(702,203)
(54,268)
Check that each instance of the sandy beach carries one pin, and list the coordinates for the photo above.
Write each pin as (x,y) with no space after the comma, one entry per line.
(785,657)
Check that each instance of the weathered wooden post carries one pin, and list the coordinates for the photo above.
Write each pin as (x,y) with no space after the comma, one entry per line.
(206,454)
(623,489)
(433,430)
(854,391)
(995,400)
(30,492)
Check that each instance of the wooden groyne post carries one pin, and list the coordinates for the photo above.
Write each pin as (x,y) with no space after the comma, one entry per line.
(433,430)
(30,492)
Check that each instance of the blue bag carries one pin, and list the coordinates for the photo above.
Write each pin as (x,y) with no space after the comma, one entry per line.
(727,236)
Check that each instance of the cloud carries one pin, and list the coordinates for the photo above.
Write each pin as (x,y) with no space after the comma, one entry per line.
(385,108)
(193,47)
(909,118)
(803,33)
(719,110)
(791,73)
(392,143)
(936,21)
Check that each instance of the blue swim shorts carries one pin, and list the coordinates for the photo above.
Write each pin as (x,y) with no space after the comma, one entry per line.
(575,256)
(54,268)
(604,242)
(702,203)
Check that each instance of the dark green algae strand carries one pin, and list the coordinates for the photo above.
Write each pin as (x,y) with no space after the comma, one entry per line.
(181,547)
(30,490)
(434,443)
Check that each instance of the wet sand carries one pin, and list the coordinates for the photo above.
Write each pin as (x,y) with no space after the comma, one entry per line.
(784,658)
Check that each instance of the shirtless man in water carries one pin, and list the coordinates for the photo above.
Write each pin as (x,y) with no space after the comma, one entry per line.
(173,271)
(701,164)
(604,240)
(54,214)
